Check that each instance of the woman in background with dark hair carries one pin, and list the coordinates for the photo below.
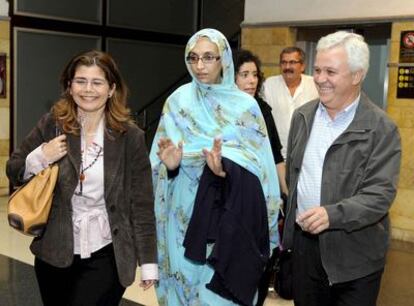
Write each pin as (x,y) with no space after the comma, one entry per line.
(101,224)
(249,78)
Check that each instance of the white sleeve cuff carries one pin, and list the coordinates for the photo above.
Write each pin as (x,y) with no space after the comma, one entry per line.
(149,271)
(35,162)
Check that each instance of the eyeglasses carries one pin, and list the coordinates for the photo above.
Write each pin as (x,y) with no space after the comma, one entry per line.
(206,58)
(95,83)
(284,63)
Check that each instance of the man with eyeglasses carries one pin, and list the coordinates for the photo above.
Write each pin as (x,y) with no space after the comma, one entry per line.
(289,90)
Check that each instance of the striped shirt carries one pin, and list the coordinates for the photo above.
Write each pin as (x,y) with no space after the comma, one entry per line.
(324,132)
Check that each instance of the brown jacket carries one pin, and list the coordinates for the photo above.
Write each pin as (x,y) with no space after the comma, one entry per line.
(128,197)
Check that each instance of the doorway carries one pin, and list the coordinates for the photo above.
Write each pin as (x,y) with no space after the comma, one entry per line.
(377,36)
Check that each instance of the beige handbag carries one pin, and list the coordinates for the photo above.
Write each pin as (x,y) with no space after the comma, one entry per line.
(29,206)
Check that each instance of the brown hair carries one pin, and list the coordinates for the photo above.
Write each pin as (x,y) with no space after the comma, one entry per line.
(117,114)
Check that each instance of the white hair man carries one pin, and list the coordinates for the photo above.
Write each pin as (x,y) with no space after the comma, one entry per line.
(343,164)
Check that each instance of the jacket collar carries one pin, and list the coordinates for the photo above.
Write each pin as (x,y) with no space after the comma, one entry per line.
(362,120)
(364,115)
(113,153)
(74,151)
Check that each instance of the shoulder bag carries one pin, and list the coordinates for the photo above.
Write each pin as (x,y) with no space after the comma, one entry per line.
(29,206)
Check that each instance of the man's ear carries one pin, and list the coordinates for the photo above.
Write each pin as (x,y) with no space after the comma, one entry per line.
(357,77)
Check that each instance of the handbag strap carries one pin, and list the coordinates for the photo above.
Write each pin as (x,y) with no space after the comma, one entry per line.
(58,131)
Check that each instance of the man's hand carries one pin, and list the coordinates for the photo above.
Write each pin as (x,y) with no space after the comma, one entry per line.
(314,220)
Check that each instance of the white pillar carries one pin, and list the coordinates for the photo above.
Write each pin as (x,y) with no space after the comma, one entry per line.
(4,8)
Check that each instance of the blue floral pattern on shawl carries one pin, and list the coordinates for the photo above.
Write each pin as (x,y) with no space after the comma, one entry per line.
(196,113)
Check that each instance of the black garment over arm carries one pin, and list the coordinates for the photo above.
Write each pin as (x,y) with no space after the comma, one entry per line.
(271,130)
(232,213)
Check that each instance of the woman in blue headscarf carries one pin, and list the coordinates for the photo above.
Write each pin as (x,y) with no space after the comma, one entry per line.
(210,154)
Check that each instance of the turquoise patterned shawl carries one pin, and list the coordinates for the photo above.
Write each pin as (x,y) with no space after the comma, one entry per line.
(196,113)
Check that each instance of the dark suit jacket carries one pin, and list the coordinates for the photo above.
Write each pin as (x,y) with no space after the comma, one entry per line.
(128,197)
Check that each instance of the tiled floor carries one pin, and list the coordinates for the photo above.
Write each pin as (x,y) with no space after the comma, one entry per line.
(18,285)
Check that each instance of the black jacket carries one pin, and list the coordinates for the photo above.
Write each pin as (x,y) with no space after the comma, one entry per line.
(232,214)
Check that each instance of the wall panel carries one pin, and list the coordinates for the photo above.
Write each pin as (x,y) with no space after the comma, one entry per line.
(89,11)
(39,58)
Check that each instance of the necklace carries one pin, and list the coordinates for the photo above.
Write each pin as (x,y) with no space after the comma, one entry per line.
(82,175)
(88,128)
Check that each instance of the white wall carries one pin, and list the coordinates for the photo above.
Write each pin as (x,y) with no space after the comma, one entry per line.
(291,11)
(4,8)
